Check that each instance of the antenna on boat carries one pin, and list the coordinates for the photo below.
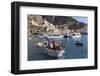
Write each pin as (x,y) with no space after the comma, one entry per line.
(53,19)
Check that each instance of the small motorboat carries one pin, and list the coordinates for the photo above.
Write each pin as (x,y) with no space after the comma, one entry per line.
(76,35)
(67,36)
(79,43)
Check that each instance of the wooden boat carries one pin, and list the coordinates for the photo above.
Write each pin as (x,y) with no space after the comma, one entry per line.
(54,52)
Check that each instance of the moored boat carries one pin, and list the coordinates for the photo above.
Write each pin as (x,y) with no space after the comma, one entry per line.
(54,36)
(57,53)
(78,43)
(76,35)
(54,49)
(67,35)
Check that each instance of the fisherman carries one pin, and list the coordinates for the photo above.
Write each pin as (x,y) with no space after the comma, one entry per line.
(49,44)
(54,46)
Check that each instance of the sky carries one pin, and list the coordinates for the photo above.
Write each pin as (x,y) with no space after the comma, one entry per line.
(81,19)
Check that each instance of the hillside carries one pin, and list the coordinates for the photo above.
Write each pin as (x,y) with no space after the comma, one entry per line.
(54,24)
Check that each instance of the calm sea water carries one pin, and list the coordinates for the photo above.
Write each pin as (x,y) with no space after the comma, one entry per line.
(71,50)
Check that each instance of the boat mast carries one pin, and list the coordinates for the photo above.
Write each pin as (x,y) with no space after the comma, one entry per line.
(53,19)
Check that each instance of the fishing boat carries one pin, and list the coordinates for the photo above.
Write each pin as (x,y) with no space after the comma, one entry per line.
(54,50)
(76,35)
(54,36)
(67,35)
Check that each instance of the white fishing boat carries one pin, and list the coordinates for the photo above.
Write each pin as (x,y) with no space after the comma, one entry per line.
(76,35)
(58,51)
(54,36)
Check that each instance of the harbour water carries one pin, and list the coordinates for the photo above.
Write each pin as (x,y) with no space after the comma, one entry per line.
(71,50)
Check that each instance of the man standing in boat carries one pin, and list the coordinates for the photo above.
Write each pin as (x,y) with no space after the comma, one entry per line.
(54,46)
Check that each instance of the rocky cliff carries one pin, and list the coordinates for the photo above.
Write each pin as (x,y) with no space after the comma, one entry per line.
(54,24)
